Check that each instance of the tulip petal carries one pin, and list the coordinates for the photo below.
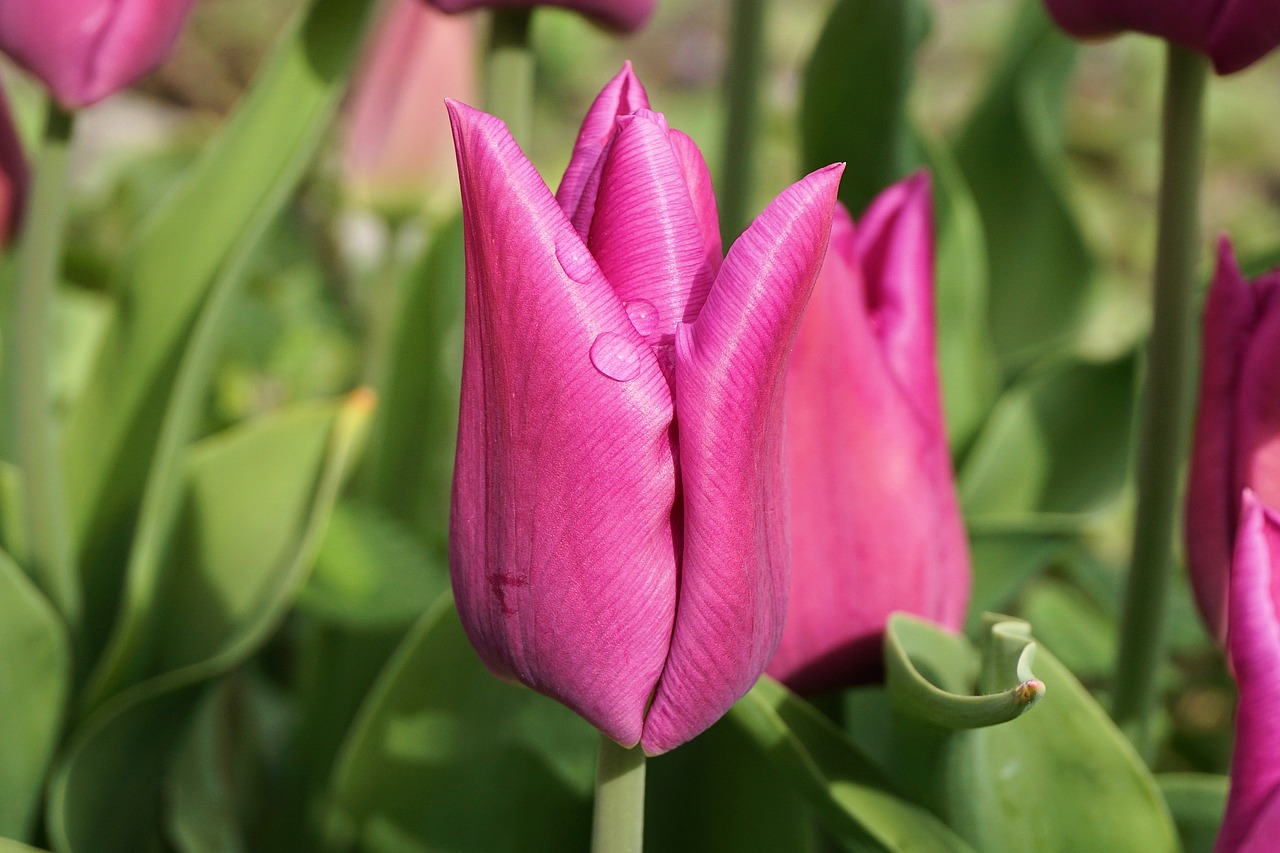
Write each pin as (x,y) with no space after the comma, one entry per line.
(1254,648)
(645,233)
(85,50)
(623,95)
(1261,833)
(562,558)
(876,523)
(894,245)
(13,175)
(729,380)
(698,178)
(1243,32)
(1213,486)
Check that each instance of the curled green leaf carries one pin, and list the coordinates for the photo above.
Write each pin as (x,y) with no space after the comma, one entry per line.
(929,677)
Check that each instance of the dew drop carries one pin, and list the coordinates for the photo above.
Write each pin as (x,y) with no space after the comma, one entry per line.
(643,316)
(575,261)
(615,357)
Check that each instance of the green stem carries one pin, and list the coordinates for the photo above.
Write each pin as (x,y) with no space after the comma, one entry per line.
(1166,401)
(49,546)
(618,825)
(742,124)
(508,79)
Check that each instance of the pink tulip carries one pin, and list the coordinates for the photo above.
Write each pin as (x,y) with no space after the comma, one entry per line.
(13,175)
(875,521)
(623,15)
(1252,820)
(398,148)
(1237,437)
(1232,33)
(85,50)
(618,537)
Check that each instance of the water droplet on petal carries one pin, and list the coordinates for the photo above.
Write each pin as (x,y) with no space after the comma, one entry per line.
(615,357)
(643,315)
(575,260)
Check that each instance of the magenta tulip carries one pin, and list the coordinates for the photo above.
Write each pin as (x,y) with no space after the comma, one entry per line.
(618,537)
(398,149)
(13,175)
(1232,33)
(623,15)
(1237,437)
(875,520)
(1252,819)
(85,50)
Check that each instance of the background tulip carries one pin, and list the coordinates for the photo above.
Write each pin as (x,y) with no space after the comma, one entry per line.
(1253,808)
(1233,33)
(876,525)
(1237,437)
(398,148)
(85,50)
(617,538)
(13,174)
(625,15)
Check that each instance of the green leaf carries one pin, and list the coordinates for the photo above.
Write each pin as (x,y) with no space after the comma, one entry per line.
(446,757)
(1009,552)
(967,363)
(849,794)
(1011,151)
(35,672)
(13,534)
(930,673)
(198,789)
(409,466)
(1059,778)
(223,205)
(1058,442)
(1197,801)
(719,793)
(863,58)
(258,500)
(372,571)
(8,845)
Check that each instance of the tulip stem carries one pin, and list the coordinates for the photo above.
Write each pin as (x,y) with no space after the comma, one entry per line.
(742,123)
(1165,415)
(618,825)
(509,71)
(50,553)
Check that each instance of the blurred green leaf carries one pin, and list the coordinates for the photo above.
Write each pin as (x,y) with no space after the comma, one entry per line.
(1057,442)
(372,571)
(1197,801)
(848,793)
(1068,619)
(8,845)
(35,673)
(13,533)
(718,793)
(198,788)
(258,500)
(853,107)
(1011,151)
(446,757)
(967,363)
(409,466)
(1006,553)
(226,201)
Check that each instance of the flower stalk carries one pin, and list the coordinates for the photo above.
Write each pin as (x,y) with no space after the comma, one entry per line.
(742,122)
(50,551)
(508,79)
(618,823)
(1166,398)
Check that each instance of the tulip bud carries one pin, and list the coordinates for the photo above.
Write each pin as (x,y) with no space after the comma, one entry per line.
(398,149)
(622,15)
(1232,33)
(618,537)
(85,50)
(875,520)
(1252,818)
(1237,434)
(13,175)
